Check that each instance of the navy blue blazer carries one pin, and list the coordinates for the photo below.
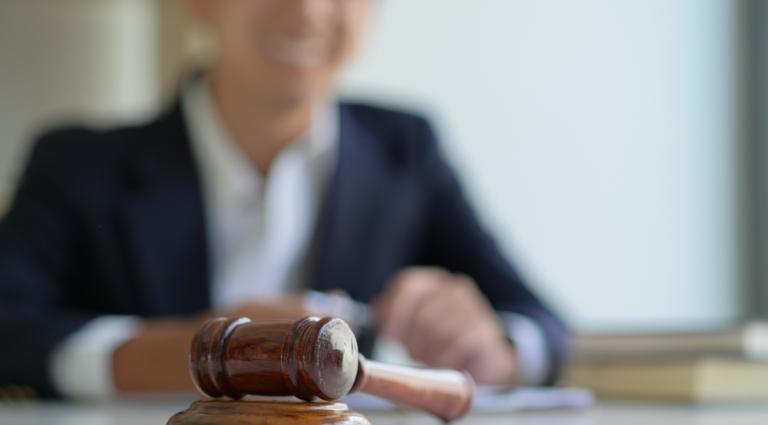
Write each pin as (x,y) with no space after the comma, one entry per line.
(112,222)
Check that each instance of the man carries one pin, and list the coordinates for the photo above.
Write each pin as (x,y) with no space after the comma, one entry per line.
(254,187)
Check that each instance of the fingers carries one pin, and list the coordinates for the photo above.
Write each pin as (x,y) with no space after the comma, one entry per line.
(497,366)
(443,320)
(452,325)
(437,322)
(406,292)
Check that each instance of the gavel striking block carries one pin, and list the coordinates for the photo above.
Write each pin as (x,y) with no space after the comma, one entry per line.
(313,358)
(231,412)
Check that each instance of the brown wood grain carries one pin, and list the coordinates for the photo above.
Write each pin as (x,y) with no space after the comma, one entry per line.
(310,358)
(445,393)
(230,412)
(313,358)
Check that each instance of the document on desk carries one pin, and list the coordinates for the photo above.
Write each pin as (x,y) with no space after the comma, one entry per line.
(493,400)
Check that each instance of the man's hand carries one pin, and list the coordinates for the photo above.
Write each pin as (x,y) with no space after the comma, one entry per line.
(156,359)
(444,321)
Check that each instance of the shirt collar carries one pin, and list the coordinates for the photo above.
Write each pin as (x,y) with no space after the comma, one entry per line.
(228,172)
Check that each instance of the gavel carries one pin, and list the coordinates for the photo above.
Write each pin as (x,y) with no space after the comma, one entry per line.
(313,358)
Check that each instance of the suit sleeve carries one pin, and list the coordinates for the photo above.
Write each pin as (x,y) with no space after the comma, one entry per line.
(38,253)
(456,240)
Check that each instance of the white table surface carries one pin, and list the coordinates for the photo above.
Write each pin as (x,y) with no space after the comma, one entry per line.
(604,413)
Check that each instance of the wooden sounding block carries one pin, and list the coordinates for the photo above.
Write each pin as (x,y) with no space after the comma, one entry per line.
(235,412)
(311,358)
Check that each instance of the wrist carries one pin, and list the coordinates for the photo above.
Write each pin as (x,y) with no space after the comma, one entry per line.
(156,358)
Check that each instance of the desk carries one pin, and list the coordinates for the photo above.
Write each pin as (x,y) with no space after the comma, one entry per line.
(608,413)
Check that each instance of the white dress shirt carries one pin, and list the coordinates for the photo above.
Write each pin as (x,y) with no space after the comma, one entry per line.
(260,231)
(259,228)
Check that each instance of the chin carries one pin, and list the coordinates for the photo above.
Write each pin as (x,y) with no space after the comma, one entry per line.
(285,82)
(291,92)
(299,83)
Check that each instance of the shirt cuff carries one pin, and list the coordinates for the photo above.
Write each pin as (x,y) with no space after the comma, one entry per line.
(531,346)
(81,366)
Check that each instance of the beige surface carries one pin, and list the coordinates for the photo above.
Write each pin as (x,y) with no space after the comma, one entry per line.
(155,412)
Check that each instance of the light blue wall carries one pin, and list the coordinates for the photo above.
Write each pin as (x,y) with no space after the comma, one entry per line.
(598,137)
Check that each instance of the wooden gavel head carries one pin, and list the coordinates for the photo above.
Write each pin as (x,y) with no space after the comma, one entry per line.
(310,358)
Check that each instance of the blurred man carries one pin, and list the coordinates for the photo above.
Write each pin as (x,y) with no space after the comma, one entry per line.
(254,187)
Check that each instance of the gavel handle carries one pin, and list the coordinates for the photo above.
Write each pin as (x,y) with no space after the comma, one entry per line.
(445,393)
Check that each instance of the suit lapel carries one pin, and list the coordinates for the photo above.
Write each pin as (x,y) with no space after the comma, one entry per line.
(164,220)
(349,217)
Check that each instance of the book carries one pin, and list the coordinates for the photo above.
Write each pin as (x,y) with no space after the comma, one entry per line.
(702,379)
(748,341)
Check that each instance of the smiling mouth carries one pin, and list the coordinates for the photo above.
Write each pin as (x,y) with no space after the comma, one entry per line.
(300,52)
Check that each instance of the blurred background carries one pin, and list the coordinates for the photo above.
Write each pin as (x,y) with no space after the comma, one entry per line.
(613,146)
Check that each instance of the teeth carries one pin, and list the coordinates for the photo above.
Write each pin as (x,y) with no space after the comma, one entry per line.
(297,52)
